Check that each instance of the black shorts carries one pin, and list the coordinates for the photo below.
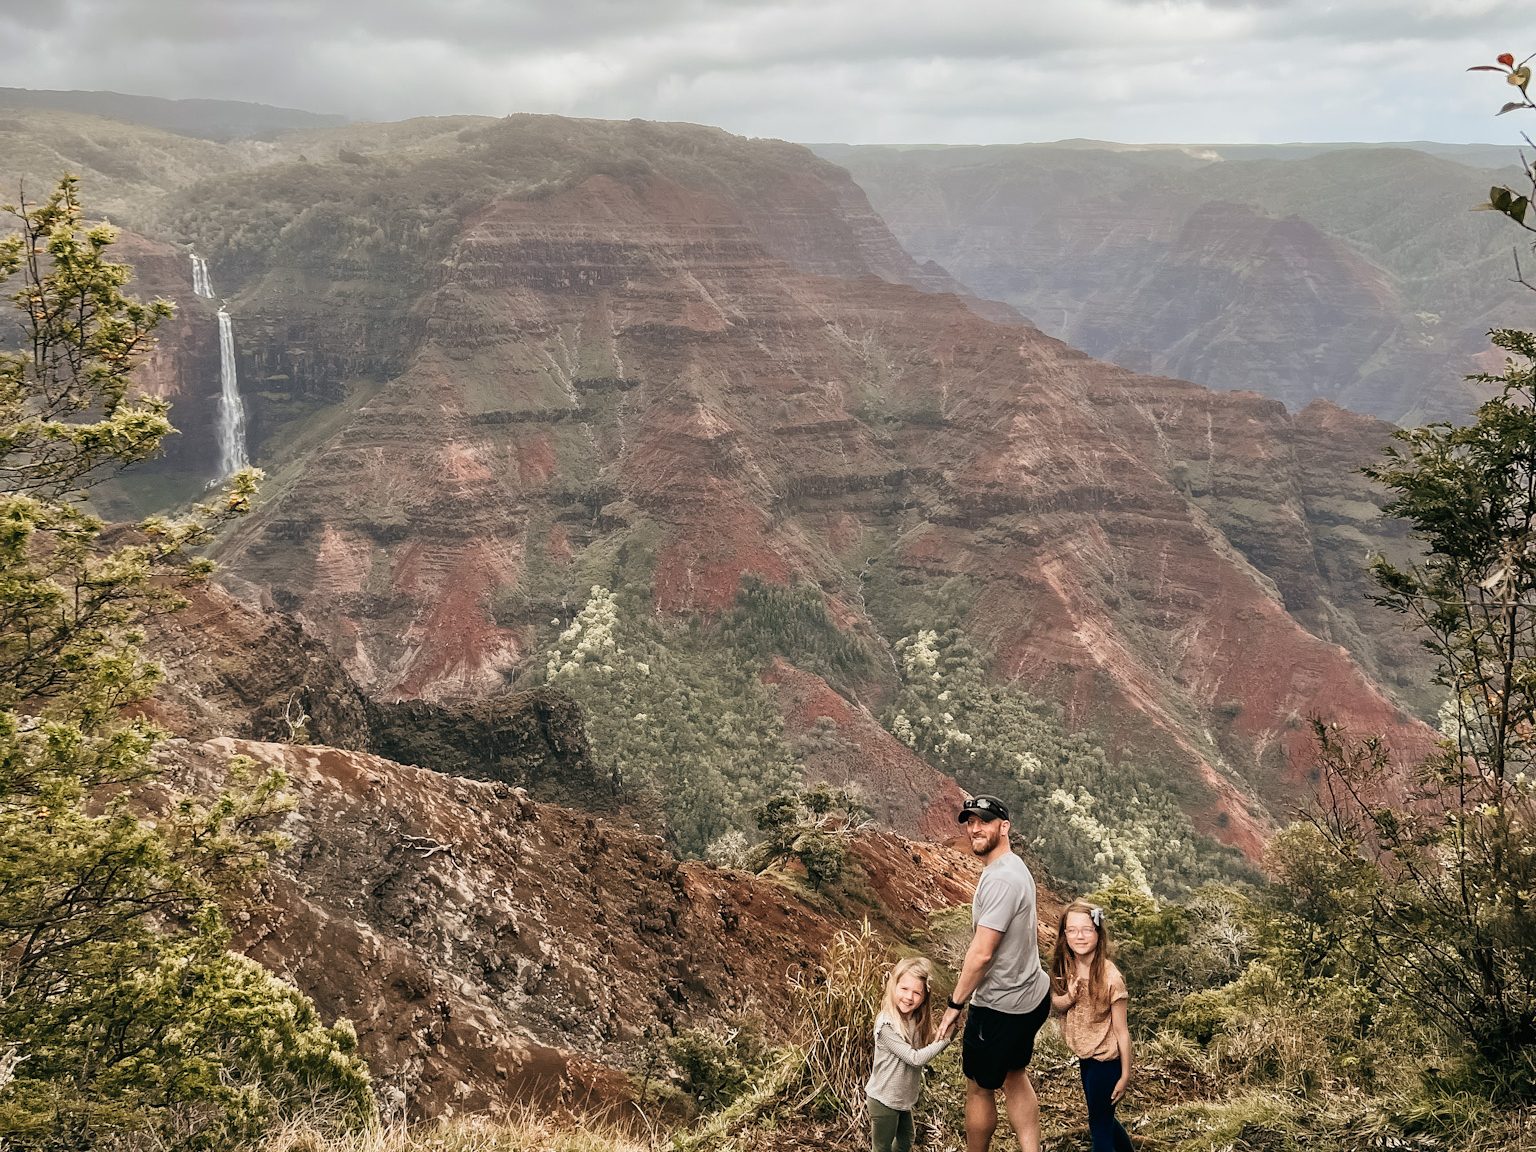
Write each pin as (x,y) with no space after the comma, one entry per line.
(997,1043)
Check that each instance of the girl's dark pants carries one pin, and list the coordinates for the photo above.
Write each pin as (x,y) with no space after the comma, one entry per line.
(1099,1080)
(889,1130)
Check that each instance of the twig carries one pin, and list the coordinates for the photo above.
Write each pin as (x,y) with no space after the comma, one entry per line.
(428,847)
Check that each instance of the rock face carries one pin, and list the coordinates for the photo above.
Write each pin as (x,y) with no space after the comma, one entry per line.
(232,669)
(1285,276)
(488,364)
(495,952)
(183,368)
(655,369)
(854,752)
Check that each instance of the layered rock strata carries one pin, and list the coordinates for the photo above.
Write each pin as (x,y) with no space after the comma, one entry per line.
(625,359)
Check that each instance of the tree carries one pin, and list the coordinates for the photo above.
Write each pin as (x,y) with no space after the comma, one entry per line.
(1451,850)
(1452,919)
(122,1011)
(810,826)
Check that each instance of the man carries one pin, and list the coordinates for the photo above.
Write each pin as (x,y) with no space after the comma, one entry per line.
(1002,981)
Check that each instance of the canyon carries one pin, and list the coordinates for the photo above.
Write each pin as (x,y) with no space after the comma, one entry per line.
(490,363)
(493,366)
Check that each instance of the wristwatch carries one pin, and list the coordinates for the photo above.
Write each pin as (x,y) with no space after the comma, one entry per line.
(957,1005)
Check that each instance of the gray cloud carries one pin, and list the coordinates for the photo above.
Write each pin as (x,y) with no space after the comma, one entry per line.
(914,70)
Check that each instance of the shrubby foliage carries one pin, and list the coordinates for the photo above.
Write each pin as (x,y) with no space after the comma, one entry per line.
(1086,819)
(809,827)
(682,720)
(768,620)
(716,1068)
(123,1017)
(1449,856)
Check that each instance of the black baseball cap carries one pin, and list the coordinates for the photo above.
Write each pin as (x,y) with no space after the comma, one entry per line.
(988,808)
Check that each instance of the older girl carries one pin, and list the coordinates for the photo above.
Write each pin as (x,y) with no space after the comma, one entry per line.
(1090,992)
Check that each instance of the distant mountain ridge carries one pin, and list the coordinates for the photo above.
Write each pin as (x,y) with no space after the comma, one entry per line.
(1473,155)
(206,119)
(1355,275)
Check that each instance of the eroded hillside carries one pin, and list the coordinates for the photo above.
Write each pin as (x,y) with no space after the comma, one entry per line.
(497,368)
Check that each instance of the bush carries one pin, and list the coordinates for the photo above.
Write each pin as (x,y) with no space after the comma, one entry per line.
(808,827)
(715,1069)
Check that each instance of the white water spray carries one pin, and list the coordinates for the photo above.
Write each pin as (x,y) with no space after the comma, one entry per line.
(231,410)
(201,285)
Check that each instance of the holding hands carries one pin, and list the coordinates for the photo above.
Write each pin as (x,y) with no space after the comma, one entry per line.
(949,1025)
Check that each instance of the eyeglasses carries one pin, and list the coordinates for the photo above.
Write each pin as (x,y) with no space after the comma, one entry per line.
(1096,915)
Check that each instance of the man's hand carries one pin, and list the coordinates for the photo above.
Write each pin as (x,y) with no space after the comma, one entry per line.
(950,1022)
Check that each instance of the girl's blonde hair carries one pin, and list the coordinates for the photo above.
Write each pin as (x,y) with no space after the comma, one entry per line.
(919,1026)
(1064,961)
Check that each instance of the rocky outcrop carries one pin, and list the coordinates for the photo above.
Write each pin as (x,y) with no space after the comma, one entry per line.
(495,952)
(231,668)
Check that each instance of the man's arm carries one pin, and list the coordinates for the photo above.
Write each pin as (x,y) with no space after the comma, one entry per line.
(978,958)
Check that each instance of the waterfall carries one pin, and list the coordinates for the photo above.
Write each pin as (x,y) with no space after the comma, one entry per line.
(231,410)
(201,285)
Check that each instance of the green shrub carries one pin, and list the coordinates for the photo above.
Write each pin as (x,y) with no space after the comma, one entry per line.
(684,722)
(716,1069)
(768,620)
(809,827)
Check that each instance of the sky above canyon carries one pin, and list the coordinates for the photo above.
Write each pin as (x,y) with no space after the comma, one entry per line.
(893,71)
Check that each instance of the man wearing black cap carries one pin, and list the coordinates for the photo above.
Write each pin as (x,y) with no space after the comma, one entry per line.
(1003,983)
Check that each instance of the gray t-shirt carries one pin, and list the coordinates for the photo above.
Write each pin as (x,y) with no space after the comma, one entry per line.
(1005,901)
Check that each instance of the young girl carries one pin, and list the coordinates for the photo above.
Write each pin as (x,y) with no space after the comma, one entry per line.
(1091,993)
(903,1031)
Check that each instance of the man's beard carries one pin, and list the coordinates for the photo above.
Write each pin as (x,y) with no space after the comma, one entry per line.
(991,841)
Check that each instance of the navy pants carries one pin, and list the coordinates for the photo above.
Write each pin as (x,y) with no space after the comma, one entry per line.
(1099,1080)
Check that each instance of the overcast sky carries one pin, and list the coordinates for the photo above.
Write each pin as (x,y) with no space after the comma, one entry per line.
(958,71)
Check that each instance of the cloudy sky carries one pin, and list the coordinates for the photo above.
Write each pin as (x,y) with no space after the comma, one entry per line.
(960,71)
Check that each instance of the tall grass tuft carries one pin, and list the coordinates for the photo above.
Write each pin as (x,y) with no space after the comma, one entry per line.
(834,1009)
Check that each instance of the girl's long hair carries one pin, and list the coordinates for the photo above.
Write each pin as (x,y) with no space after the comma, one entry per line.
(919,1026)
(1064,960)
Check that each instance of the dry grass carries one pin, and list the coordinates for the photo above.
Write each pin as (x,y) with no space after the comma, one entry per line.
(835,1009)
(525,1133)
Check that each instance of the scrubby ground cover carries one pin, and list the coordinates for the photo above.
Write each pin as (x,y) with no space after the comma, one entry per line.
(1237,1051)
(680,715)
